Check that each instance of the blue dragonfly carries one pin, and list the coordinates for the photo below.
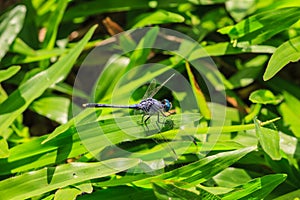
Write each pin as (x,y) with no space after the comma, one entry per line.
(148,106)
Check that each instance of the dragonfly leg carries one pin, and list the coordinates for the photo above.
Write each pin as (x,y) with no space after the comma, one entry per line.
(145,122)
(158,122)
(158,119)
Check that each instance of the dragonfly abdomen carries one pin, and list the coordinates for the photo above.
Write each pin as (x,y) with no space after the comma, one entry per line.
(99,105)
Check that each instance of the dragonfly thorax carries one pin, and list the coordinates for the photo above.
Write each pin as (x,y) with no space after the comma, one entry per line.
(152,106)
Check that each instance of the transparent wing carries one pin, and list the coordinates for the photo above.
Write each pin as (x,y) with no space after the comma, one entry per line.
(152,91)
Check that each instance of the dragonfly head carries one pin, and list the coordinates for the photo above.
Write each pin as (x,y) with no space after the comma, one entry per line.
(167,105)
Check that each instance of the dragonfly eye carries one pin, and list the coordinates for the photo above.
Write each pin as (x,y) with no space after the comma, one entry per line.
(167,105)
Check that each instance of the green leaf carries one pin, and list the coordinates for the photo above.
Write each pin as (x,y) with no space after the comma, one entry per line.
(226,48)
(287,52)
(66,193)
(6,74)
(269,140)
(55,108)
(157,17)
(257,188)
(291,113)
(53,24)
(264,97)
(69,90)
(85,187)
(165,190)
(232,177)
(291,195)
(202,104)
(11,24)
(206,195)
(259,28)
(4,151)
(19,46)
(39,55)
(20,99)
(50,178)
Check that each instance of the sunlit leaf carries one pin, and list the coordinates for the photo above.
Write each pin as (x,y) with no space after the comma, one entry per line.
(232,177)
(54,22)
(284,54)
(11,24)
(19,46)
(39,55)
(55,108)
(258,188)
(4,152)
(158,17)
(67,193)
(264,97)
(165,190)
(6,74)
(269,140)
(226,48)
(202,105)
(291,113)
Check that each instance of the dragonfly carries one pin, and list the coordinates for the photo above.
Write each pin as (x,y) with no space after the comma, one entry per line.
(149,106)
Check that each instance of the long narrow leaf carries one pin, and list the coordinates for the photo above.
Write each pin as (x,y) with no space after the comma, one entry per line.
(258,188)
(54,21)
(287,52)
(158,17)
(10,26)
(202,105)
(6,74)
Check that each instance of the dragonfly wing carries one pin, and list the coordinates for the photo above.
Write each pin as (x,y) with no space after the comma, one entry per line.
(150,90)
(155,90)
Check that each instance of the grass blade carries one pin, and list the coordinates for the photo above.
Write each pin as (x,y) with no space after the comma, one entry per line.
(10,26)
